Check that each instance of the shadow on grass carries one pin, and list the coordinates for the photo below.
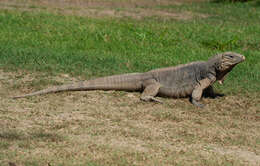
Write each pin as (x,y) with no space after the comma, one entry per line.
(229,1)
(12,135)
(15,135)
(253,3)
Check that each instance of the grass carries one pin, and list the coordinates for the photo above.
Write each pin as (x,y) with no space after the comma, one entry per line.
(40,48)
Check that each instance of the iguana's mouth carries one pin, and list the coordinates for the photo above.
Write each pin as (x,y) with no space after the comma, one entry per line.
(221,81)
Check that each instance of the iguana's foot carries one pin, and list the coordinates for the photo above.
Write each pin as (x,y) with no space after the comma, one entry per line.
(196,103)
(150,98)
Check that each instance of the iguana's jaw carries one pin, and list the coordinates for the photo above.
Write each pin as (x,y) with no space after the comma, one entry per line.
(223,75)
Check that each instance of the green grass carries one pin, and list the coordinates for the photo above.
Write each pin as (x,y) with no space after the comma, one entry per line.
(91,47)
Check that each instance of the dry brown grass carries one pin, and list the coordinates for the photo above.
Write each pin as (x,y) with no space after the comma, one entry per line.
(136,9)
(116,128)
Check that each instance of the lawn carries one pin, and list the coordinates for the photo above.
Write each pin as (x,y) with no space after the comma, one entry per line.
(46,43)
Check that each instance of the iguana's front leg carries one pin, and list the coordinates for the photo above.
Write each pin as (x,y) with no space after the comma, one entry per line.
(198,90)
(151,89)
(209,92)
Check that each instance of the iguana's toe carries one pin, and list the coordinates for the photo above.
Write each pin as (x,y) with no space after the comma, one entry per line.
(150,98)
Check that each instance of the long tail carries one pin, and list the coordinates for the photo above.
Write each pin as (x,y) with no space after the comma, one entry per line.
(124,82)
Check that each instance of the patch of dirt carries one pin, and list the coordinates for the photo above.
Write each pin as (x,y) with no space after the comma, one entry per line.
(110,126)
(136,9)
(94,3)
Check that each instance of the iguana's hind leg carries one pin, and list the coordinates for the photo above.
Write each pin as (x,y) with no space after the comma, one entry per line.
(151,89)
(197,92)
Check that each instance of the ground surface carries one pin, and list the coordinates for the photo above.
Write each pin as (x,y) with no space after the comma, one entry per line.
(116,128)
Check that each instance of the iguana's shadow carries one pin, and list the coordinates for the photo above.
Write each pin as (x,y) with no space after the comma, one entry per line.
(212,96)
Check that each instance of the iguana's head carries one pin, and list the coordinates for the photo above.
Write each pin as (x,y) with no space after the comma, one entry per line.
(224,63)
(228,60)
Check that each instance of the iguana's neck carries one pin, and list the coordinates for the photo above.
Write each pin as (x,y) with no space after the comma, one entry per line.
(214,62)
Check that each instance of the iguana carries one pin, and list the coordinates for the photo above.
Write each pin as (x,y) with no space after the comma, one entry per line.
(186,80)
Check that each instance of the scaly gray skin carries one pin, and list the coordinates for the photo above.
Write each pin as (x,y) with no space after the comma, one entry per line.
(180,81)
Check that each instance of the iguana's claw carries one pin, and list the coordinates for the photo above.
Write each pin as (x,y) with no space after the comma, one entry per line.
(198,104)
(156,100)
